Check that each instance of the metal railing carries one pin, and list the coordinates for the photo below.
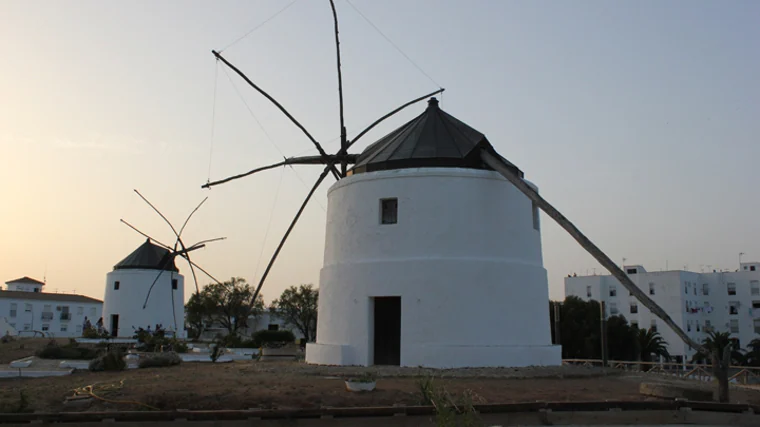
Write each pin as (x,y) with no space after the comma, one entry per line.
(746,375)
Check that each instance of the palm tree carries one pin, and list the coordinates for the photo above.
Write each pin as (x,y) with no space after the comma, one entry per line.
(651,343)
(720,341)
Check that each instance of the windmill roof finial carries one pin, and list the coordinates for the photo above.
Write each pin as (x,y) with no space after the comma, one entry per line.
(433,102)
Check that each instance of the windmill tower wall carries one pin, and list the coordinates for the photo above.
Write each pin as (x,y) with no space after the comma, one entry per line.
(464,257)
(127,301)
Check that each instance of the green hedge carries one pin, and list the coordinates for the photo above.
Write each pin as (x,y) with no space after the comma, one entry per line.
(261,338)
(67,352)
(161,360)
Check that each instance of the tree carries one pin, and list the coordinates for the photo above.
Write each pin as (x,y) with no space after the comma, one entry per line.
(227,304)
(650,343)
(298,307)
(621,339)
(580,331)
(197,314)
(719,347)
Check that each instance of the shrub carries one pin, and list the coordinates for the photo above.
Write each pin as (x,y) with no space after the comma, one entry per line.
(111,361)
(267,338)
(93,333)
(69,351)
(161,360)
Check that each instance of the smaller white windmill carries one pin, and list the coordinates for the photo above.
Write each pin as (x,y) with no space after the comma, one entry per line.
(140,276)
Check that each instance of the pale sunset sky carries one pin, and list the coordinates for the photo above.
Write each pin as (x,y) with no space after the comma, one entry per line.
(638,120)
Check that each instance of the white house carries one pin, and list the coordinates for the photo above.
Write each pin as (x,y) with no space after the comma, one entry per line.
(265,321)
(697,302)
(26,308)
(144,289)
(431,258)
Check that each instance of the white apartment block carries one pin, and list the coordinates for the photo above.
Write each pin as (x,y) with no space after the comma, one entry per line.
(697,302)
(27,309)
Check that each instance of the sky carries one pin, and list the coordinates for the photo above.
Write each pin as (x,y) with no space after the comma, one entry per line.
(637,120)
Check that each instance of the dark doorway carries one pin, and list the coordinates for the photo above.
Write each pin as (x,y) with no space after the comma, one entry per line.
(114,325)
(387,331)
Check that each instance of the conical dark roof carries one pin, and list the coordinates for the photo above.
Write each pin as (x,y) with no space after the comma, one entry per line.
(149,257)
(432,139)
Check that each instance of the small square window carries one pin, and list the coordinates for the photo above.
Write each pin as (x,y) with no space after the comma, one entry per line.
(273,327)
(64,328)
(45,327)
(116,285)
(388,211)
(751,268)
(613,291)
(734,325)
(731,288)
(634,308)
(651,289)
(174,283)
(536,224)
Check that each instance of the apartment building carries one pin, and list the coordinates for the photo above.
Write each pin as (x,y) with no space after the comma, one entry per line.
(697,302)
(30,311)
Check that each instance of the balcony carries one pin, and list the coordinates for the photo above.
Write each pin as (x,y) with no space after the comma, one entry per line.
(65,316)
(47,315)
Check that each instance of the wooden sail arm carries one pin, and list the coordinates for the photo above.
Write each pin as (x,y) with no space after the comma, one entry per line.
(500,166)
(381,119)
(287,233)
(277,104)
(304,160)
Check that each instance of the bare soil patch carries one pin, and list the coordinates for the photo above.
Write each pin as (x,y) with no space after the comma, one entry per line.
(250,384)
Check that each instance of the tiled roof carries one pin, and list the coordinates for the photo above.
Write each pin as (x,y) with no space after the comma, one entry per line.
(27,280)
(47,296)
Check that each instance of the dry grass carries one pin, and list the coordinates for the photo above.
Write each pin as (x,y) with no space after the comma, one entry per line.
(242,385)
(24,347)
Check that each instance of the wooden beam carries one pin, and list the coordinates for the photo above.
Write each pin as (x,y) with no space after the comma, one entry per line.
(499,166)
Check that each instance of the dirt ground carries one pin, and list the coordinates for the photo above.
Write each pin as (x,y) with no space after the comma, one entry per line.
(251,384)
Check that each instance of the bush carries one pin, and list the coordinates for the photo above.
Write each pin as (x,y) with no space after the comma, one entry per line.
(267,338)
(111,361)
(161,360)
(93,333)
(69,351)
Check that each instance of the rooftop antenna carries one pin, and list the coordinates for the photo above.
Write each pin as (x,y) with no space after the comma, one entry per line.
(178,250)
(341,157)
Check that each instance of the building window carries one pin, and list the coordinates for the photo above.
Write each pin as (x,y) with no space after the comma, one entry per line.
(755,304)
(613,291)
(45,327)
(630,271)
(14,308)
(754,287)
(536,225)
(388,211)
(731,288)
(733,307)
(756,323)
(27,307)
(273,327)
(174,283)
(705,289)
(734,326)
(47,308)
(751,268)
(64,328)
(698,329)
(634,308)
(635,325)
(613,309)
(80,311)
(651,288)
(116,285)
(36,289)
(686,288)
(688,326)
(588,291)
(653,325)
(694,288)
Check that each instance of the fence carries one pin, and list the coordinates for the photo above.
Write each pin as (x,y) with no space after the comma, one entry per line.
(746,375)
